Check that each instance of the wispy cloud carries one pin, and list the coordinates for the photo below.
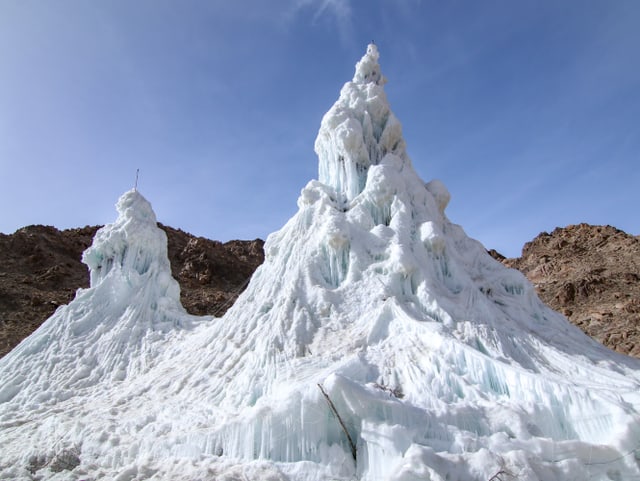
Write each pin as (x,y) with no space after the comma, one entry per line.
(337,12)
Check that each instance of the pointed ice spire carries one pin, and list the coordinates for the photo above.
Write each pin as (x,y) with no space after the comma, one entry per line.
(368,69)
(132,244)
(358,131)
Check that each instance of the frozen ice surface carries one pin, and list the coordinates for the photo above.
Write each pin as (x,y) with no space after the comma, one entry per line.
(111,331)
(441,362)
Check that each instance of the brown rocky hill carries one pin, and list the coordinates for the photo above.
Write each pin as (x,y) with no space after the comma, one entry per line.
(589,273)
(592,275)
(40,269)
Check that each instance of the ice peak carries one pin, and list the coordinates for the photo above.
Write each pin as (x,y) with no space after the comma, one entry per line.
(368,68)
(133,245)
(358,131)
(132,206)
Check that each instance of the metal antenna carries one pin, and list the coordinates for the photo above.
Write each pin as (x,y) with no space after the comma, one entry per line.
(135,187)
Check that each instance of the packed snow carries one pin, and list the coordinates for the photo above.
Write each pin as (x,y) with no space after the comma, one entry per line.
(376,342)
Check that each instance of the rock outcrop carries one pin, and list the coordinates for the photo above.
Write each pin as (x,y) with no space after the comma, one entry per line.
(591,274)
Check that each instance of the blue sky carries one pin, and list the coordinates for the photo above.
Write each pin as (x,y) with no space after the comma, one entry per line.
(529,112)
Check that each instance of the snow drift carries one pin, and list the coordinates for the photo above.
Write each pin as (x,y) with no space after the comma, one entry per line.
(376,342)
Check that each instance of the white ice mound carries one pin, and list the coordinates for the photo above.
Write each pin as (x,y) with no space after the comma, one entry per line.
(111,330)
(440,362)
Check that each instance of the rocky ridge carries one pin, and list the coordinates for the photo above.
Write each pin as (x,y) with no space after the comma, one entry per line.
(589,273)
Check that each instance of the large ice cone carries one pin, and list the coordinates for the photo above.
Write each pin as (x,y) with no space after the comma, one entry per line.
(110,331)
(440,361)
(437,361)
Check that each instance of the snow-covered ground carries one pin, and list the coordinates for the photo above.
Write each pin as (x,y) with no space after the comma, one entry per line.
(376,342)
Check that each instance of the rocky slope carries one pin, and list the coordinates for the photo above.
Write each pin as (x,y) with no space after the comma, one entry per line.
(40,269)
(592,275)
(589,273)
